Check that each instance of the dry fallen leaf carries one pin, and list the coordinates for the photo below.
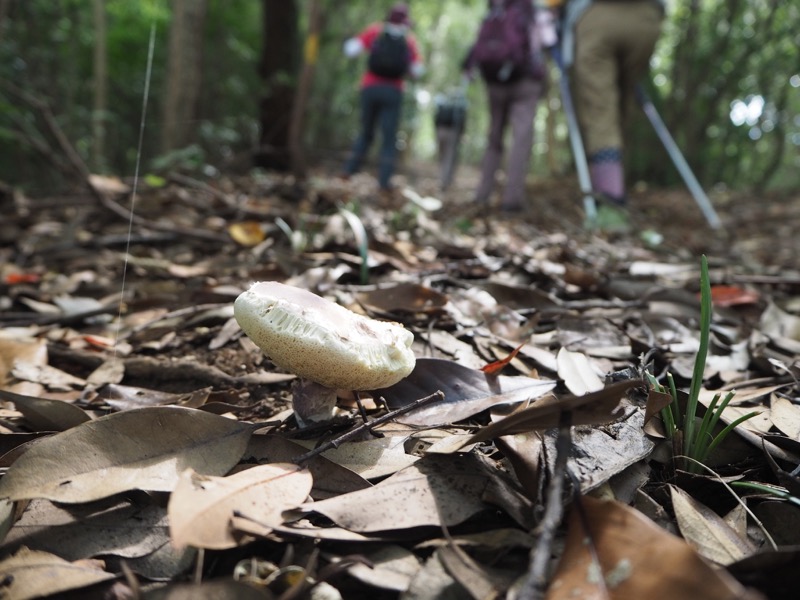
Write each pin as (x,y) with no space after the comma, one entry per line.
(579,374)
(444,489)
(45,414)
(108,527)
(637,559)
(201,507)
(495,367)
(466,391)
(785,415)
(34,574)
(706,531)
(143,449)
(392,568)
(590,409)
(330,477)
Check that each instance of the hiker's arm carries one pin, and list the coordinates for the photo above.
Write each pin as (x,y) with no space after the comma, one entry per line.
(362,42)
(353,47)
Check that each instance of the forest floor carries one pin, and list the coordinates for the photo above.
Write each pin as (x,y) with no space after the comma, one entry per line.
(96,324)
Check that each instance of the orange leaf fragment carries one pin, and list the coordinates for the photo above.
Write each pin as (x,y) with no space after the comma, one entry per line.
(17,278)
(731,295)
(495,367)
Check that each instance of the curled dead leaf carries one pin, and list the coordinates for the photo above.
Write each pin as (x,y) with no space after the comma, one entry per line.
(145,449)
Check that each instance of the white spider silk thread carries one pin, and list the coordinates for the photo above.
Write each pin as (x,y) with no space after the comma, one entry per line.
(142,121)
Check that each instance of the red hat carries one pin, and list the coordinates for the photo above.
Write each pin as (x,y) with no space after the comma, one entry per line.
(398,14)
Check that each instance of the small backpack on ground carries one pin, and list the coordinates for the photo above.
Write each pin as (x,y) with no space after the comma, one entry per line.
(502,49)
(390,56)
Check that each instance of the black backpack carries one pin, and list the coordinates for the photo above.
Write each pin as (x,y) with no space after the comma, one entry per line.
(390,56)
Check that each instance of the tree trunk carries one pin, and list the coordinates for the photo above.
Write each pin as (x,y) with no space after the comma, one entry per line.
(297,124)
(278,65)
(184,73)
(100,68)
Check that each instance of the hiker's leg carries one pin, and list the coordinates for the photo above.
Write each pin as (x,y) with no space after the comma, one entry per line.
(369,116)
(642,26)
(607,174)
(447,138)
(597,97)
(526,93)
(498,118)
(391,103)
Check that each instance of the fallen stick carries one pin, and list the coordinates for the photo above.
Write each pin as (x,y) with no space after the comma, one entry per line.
(367,426)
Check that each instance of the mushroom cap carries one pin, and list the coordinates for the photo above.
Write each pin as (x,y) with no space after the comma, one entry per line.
(320,340)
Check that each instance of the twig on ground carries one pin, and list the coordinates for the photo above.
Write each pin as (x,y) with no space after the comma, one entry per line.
(535,586)
(592,548)
(368,426)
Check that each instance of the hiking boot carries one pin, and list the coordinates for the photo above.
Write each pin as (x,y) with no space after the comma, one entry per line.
(612,219)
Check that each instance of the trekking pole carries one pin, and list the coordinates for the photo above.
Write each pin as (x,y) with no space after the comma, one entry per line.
(678,160)
(576,140)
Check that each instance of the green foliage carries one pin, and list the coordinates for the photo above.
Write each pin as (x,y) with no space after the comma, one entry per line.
(698,441)
(713,57)
(715,65)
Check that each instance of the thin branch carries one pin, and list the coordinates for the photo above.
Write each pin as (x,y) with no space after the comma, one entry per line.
(336,442)
(535,586)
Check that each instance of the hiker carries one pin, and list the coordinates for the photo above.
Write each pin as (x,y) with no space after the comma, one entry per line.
(607,45)
(393,55)
(508,54)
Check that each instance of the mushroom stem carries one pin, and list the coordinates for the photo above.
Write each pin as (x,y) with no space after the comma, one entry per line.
(312,402)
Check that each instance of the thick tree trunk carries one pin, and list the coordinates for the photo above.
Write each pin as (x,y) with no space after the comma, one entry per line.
(278,68)
(184,73)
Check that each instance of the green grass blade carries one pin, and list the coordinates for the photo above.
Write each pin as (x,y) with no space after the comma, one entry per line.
(724,433)
(768,489)
(704,432)
(362,241)
(715,417)
(675,407)
(700,359)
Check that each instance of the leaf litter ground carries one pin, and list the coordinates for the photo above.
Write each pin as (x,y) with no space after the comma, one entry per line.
(150,448)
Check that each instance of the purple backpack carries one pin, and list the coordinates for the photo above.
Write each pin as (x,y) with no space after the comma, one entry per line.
(502,50)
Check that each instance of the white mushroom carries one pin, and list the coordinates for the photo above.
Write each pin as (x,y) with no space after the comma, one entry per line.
(322,341)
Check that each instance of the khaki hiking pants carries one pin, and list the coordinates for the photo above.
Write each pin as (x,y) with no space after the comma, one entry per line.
(614,41)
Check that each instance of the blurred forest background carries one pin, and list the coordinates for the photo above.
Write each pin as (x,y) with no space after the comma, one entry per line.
(237,83)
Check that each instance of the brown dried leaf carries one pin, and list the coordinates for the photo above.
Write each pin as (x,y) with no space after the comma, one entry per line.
(436,490)
(637,559)
(45,414)
(706,531)
(404,298)
(201,507)
(329,476)
(33,574)
(590,409)
(144,449)
(466,391)
(112,527)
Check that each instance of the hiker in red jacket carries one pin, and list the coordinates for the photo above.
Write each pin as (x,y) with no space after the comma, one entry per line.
(393,55)
(508,53)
